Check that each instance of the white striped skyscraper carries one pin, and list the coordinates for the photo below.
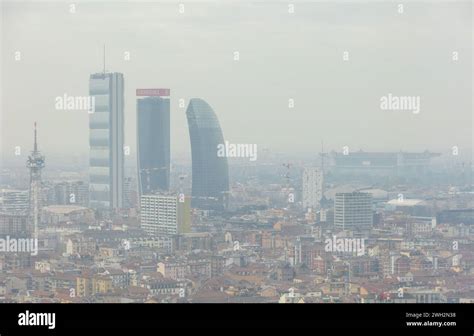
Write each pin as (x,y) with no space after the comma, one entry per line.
(106,139)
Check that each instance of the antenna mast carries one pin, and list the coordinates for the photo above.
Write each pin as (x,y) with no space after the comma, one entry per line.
(35,147)
(323,190)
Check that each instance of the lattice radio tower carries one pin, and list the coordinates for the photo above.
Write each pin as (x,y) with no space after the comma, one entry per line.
(35,164)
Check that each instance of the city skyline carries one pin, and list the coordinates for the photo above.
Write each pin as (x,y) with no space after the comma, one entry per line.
(237,152)
(358,120)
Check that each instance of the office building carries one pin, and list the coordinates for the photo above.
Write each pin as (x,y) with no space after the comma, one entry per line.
(210,175)
(130,197)
(312,188)
(353,210)
(15,225)
(153,140)
(165,214)
(106,123)
(69,192)
(14,201)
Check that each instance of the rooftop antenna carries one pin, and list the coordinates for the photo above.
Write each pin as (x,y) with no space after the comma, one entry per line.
(322,156)
(322,173)
(104,58)
(35,148)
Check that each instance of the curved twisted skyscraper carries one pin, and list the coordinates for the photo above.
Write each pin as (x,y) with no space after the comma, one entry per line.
(210,184)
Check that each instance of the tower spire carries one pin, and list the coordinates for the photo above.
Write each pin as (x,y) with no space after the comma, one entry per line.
(35,164)
(322,155)
(104,58)
(35,147)
(322,172)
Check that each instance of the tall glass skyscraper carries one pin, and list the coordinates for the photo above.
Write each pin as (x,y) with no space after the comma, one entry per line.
(210,184)
(106,138)
(153,142)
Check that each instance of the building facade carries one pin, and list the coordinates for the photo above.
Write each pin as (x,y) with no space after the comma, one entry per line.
(14,201)
(312,188)
(165,214)
(153,142)
(69,192)
(106,139)
(353,210)
(15,225)
(210,180)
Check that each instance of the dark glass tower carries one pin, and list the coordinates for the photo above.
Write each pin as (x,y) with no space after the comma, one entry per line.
(210,184)
(153,141)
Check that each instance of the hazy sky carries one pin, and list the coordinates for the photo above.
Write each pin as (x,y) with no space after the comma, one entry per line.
(282,56)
